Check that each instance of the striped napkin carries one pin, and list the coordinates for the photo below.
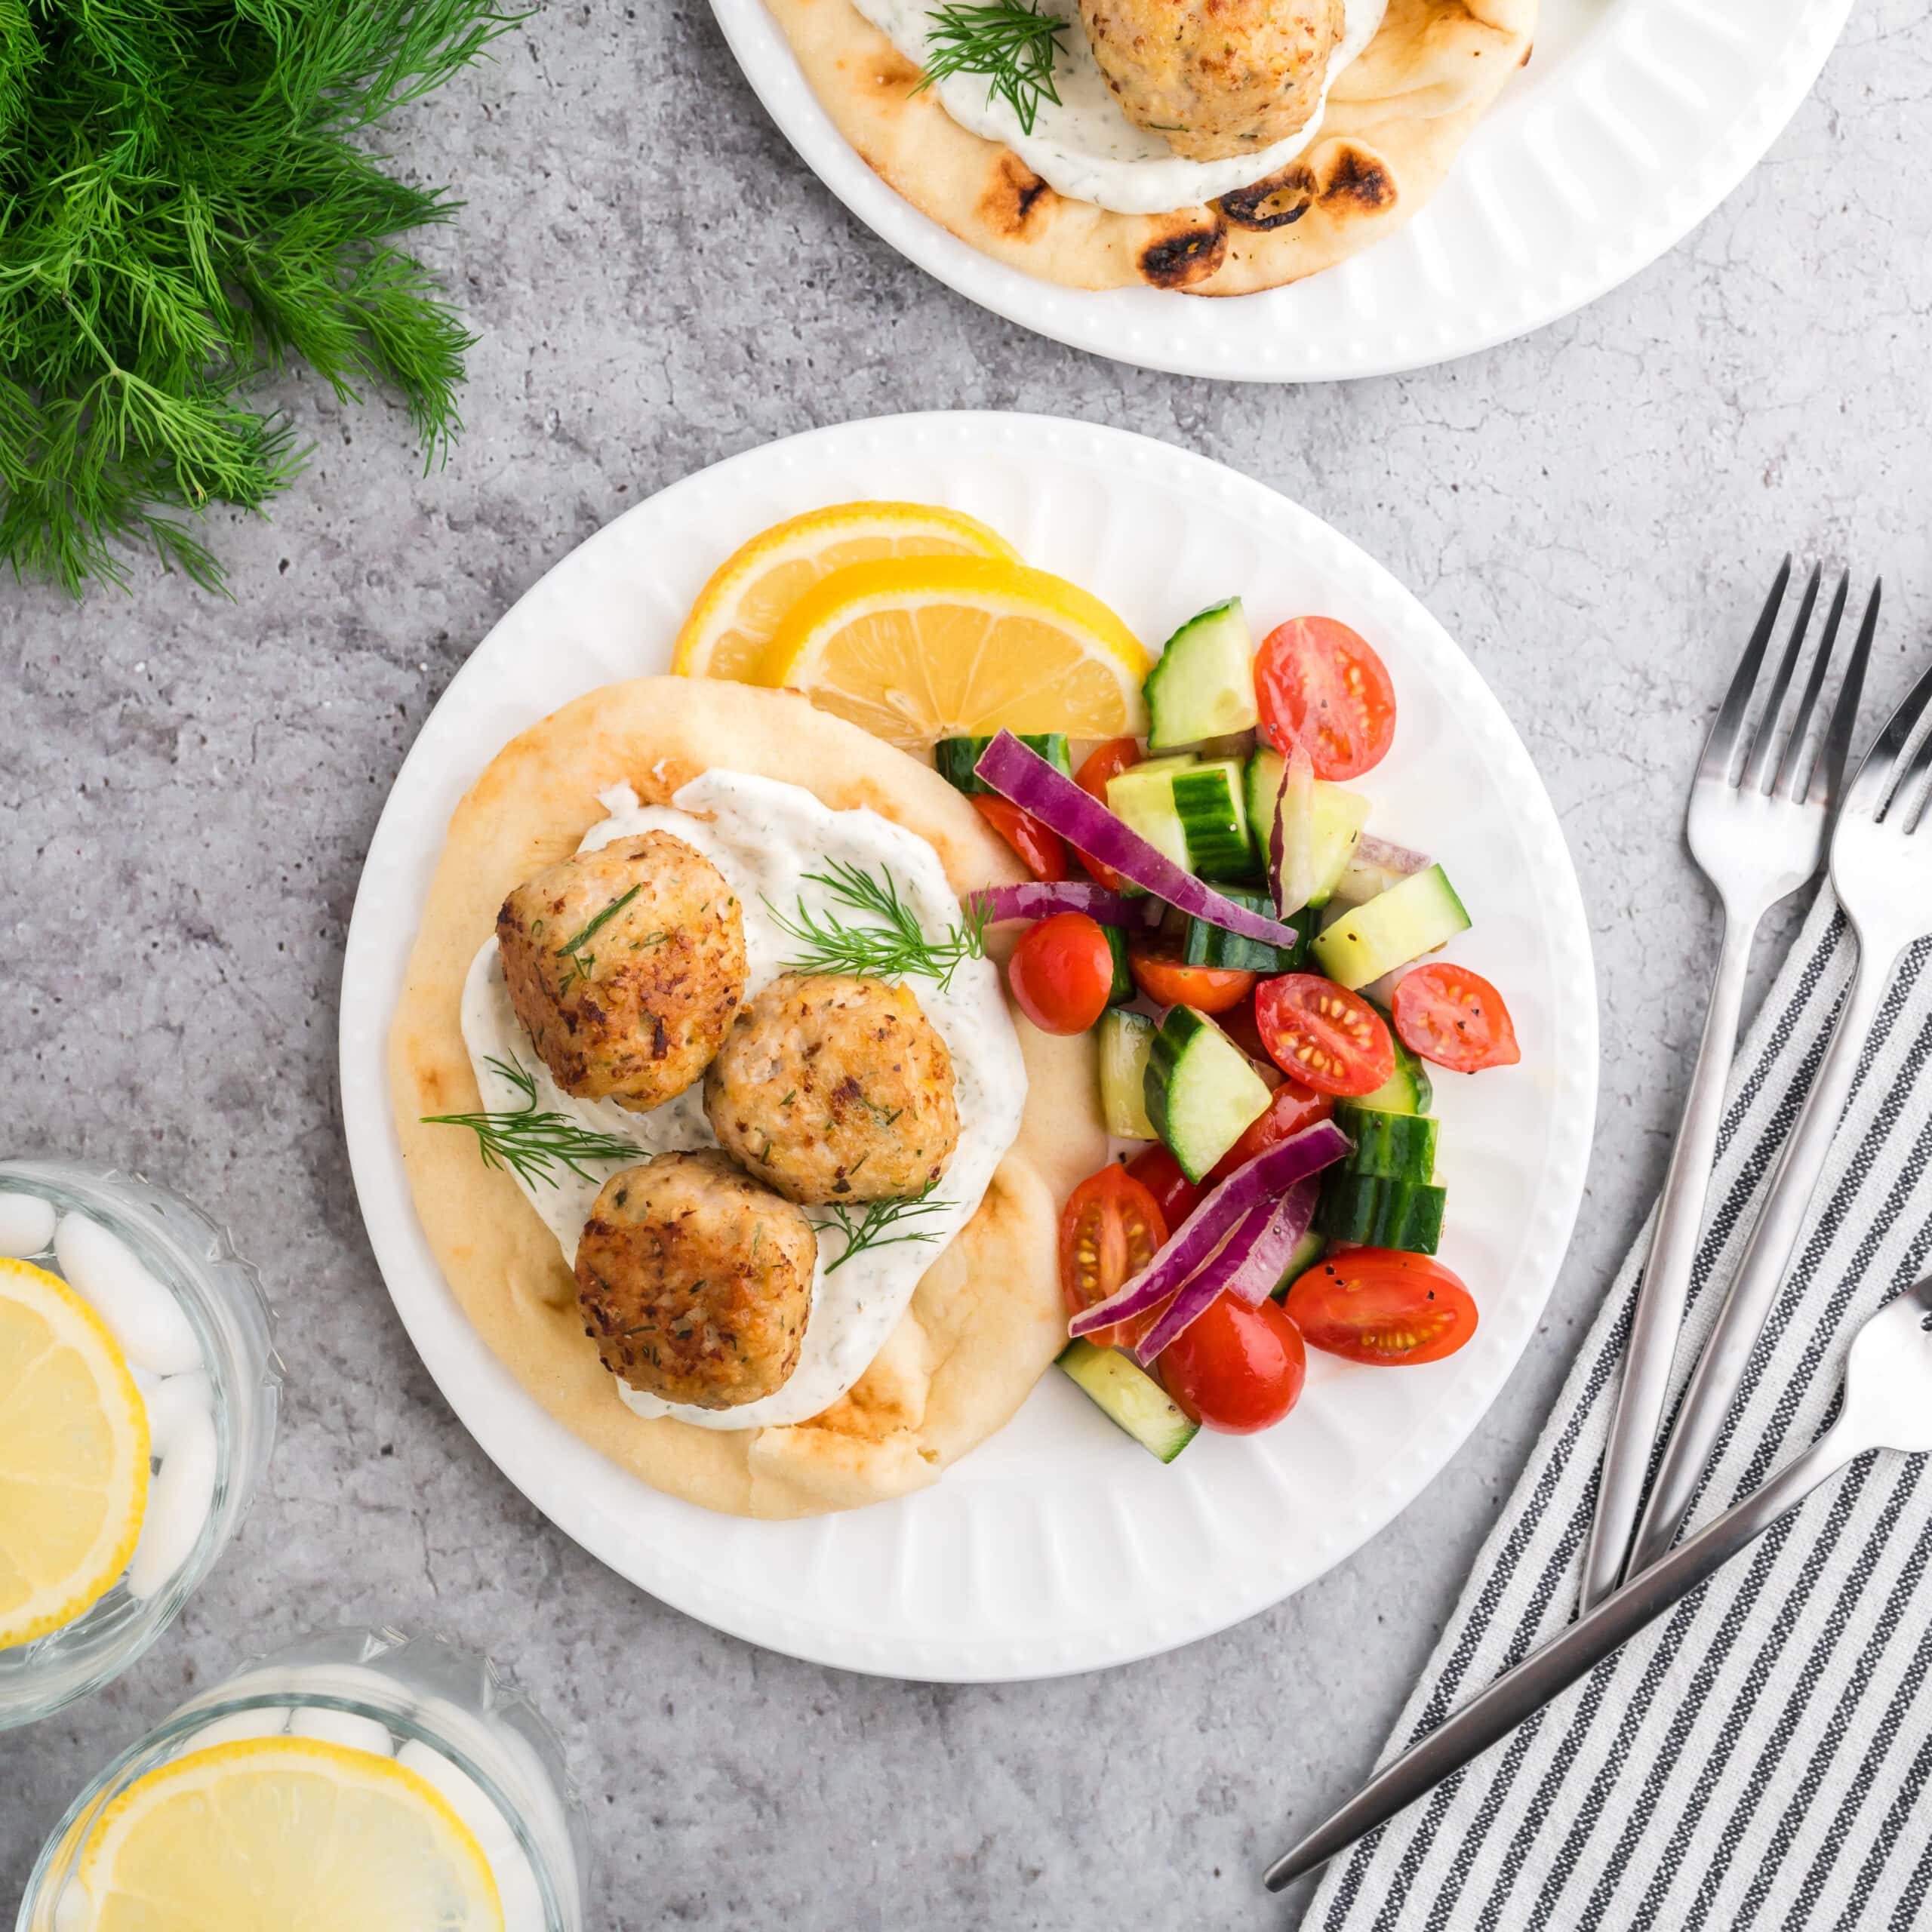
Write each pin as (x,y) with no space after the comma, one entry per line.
(1761,1756)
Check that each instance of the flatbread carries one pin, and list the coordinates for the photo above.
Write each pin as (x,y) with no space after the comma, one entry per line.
(1396,119)
(986,1319)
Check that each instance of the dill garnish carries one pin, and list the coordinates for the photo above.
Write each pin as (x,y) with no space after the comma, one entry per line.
(532,1141)
(896,949)
(1013,45)
(582,963)
(878,1226)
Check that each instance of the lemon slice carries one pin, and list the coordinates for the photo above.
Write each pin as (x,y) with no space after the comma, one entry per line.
(286,1835)
(937,648)
(73,1455)
(731,623)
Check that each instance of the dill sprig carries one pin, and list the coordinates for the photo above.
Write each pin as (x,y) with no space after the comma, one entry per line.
(879,1223)
(1014,45)
(583,964)
(897,949)
(532,1141)
(187,208)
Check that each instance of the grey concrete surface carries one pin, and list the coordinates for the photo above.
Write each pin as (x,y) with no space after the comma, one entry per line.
(187,786)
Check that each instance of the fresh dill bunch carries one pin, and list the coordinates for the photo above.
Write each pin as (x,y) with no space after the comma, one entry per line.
(532,1141)
(881,1223)
(896,948)
(187,206)
(1013,44)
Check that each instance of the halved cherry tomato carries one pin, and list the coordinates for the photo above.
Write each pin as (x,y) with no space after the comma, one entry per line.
(1159,1173)
(1379,1305)
(1318,684)
(1325,1036)
(1104,762)
(1237,1022)
(1235,1368)
(1455,1018)
(1293,1107)
(1061,973)
(1042,852)
(1159,972)
(1112,1229)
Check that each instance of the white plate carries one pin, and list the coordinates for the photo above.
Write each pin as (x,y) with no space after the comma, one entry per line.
(1632,120)
(1058,1545)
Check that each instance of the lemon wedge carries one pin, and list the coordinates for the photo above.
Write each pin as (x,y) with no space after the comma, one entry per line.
(923,648)
(286,1835)
(730,625)
(73,1455)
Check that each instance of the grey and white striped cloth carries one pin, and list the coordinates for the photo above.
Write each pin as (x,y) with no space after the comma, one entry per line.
(1761,1756)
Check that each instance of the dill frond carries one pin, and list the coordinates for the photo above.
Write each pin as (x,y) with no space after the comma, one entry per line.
(897,948)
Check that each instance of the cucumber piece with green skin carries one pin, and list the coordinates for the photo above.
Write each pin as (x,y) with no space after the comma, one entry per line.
(1339,815)
(1202,1091)
(1308,1250)
(1205,944)
(1126,1039)
(1191,809)
(1409,1089)
(1129,1396)
(1388,1146)
(1123,989)
(1367,1211)
(1389,931)
(1203,685)
(956,759)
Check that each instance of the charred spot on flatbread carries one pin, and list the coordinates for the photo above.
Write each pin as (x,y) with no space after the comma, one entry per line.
(1274,201)
(1189,255)
(891,70)
(1355,177)
(1012,195)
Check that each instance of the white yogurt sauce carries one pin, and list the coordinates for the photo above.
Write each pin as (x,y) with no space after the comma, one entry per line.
(764,837)
(1086,148)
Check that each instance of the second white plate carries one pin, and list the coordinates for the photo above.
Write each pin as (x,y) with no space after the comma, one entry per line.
(1059,1545)
(1632,120)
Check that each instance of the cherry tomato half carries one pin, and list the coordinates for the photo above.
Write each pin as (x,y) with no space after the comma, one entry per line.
(1237,1022)
(1379,1305)
(1237,1369)
(1041,851)
(1318,684)
(1159,972)
(1061,973)
(1293,1107)
(1104,762)
(1325,1036)
(1159,1173)
(1455,1018)
(1112,1229)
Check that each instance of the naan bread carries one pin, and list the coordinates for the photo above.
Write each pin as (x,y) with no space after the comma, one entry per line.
(1397,119)
(986,1319)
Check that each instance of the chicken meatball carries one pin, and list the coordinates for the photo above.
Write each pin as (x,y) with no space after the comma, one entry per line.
(695,1282)
(835,1088)
(626,966)
(1216,78)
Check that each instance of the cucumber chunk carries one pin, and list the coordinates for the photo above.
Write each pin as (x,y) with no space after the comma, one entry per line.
(1202,1091)
(1126,1040)
(1408,1090)
(1391,929)
(1370,1212)
(1308,1250)
(1192,810)
(1389,1146)
(1338,815)
(1123,989)
(1206,945)
(1129,1397)
(1203,686)
(956,759)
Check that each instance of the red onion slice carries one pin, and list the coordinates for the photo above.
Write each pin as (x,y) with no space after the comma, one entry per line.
(1390,857)
(1037,898)
(1018,772)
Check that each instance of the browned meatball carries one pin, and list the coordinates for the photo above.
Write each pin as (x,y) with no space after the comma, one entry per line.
(1216,78)
(695,1282)
(835,1088)
(626,966)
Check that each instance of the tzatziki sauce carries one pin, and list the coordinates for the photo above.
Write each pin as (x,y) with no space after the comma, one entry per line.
(764,836)
(1085,147)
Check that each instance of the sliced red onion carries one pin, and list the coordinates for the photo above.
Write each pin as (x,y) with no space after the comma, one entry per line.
(1373,866)
(1260,1183)
(1018,772)
(1037,898)
(1248,1267)
(1390,857)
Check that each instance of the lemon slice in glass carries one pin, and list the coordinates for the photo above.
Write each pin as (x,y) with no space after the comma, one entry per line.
(73,1455)
(934,648)
(286,1835)
(731,623)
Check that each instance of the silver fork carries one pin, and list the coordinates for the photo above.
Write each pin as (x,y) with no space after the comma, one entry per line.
(1757,826)
(1881,871)
(1888,1405)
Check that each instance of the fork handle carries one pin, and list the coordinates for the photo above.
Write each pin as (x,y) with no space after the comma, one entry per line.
(1659,1316)
(1720,1370)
